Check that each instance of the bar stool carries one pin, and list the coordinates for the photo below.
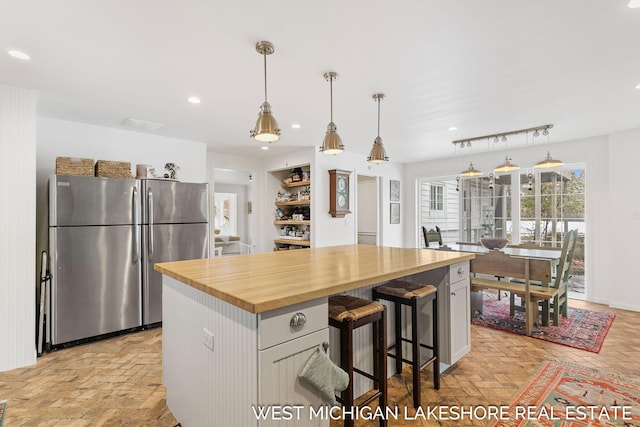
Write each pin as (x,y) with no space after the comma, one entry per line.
(348,313)
(405,293)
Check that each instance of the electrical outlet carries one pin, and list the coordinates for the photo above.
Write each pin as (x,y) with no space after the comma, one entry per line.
(207,339)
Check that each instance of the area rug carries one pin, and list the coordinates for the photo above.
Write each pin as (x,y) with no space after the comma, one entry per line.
(562,394)
(3,406)
(583,329)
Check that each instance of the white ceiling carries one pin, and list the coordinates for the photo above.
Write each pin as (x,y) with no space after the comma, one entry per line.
(484,66)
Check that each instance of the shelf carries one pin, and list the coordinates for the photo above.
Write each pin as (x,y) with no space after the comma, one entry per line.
(293,242)
(294,203)
(288,222)
(296,184)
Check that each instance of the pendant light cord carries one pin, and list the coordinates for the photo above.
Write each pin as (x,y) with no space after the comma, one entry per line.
(331,96)
(378,116)
(264,55)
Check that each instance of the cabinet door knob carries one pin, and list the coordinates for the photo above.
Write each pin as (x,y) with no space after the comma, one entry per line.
(298,319)
(453,293)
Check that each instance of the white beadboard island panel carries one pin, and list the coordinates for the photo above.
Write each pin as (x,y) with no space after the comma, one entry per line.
(215,387)
(17,234)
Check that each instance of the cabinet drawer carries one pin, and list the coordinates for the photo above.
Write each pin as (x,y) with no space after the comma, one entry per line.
(459,271)
(275,326)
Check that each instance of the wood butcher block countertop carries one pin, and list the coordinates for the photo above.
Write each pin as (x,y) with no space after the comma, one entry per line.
(266,281)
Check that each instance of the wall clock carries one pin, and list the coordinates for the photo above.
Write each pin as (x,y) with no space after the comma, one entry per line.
(339,193)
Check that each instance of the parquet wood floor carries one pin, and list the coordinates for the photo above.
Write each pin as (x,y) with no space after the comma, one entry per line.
(118,382)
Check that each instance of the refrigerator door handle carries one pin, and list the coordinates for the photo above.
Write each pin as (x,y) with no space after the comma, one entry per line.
(150,210)
(136,234)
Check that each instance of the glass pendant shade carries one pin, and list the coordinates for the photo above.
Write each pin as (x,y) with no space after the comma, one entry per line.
(378,155)
(266,129)
(507,166)
(332,143)
(548,162)
(471,171)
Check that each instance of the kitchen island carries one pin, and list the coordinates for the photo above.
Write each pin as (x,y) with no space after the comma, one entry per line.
(228,340)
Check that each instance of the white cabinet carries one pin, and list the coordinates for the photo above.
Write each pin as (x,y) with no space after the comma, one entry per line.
(283,350)
(279,382)
(456,342)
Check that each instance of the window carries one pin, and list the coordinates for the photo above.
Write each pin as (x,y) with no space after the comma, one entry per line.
(437,197)
(550,203)
(439,207)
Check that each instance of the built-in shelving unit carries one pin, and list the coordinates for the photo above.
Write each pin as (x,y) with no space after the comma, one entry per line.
(292,200)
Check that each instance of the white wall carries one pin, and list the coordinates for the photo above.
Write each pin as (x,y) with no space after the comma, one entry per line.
(341,231)
(594,153)
(623,224)
(17,234)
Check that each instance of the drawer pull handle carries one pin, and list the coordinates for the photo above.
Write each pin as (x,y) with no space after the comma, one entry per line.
(460,270)
(298,319)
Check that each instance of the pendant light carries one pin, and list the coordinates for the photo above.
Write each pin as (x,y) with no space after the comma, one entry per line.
(332,143)
(548,161)
(266,129)
(471,171)
(378,155)
(507,166)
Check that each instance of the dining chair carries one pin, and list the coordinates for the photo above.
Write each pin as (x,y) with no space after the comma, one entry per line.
(559,305)
(432,236)
(552,308)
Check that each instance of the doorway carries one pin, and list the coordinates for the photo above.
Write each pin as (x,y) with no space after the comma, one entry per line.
(368,213)
(231,211)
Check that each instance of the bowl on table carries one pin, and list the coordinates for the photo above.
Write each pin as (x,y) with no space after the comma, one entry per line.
(493,242)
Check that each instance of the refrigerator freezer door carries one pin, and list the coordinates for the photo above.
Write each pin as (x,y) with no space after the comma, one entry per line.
(96,281)
(171,202)
(87,200)
(171,242)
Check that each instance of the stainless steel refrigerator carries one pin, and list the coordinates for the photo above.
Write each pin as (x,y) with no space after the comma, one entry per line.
(175,227)
(105,235)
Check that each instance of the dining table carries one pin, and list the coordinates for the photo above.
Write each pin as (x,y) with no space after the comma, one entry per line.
(552,255)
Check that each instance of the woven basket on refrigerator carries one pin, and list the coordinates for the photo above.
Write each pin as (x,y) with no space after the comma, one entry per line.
(109,169)
(74,166)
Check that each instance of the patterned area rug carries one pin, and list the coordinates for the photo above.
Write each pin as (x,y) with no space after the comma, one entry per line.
(583,329)
(3,406)
(561,394)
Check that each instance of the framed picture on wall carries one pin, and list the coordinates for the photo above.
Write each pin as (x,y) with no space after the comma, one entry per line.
(394,190)
(394,214)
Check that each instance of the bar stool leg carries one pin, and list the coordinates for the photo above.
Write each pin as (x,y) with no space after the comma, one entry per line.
(346,359)
(436,345)
(415,347)
(398,327)
(382,364)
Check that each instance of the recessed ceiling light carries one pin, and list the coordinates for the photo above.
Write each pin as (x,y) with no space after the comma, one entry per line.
(296,126)
(638,87)
(19,54)
(634,3)
(452,128)
(264,147)
(193,100)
